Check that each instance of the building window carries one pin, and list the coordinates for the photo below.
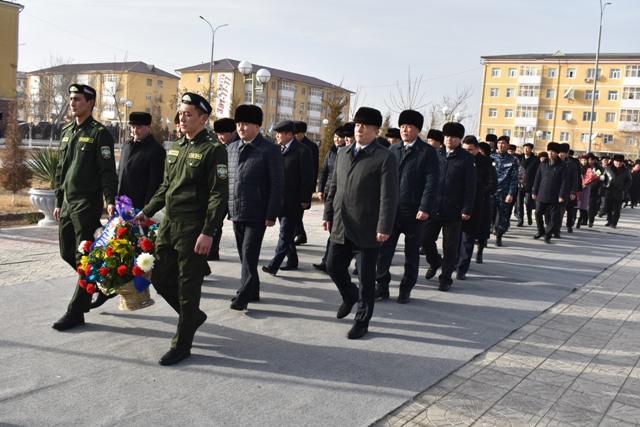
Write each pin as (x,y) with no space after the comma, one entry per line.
(584,137)
(552,73)
(273,102)
(513,72)
(302,106)
(550,94)
(529,91)
(108,108)
(631,141)
(629,115)
(546,135)
(548,114)
(315,106)
(564,136)
(566,116)
(160,83)
(304,90)
(147,110)
(149,82)
(329,96)
(495,72)
(526,112)
(632,71)
(199,78)
(610,117)
(491,130)
(509,92)
(591,73)
(290,87)
(508,113)
(571,73)
(631,93)
(506,132)
(528,70)
(493,112)
(586,116)
(285,102)
(612,95)
(607,138)
(614,73)
(273,85)
(315,92)
(588,95)
(494,92)
(148,97)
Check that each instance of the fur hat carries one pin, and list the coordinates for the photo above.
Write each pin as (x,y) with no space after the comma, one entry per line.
(411,117)
(453,129)
(140,118)
(368,116)
(553,146)
(564,147)
(349,129)
(436,135)
(618,157)
(248,114)
(491,138)
(224,125)
(301,127)
(393,133)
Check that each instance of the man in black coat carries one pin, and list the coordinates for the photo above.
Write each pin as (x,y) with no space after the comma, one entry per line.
(617,182)
(360,211)
(550,191)
(141,167)
(256,181)
(454,204)
(418,170)
(529,163)
(486,184)
(300,134)
(575,186)
(298,187)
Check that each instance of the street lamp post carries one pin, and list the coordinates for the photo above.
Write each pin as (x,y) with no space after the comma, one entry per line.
(263,76)
(127,105)
(539,134)
(213,40)
(595,79)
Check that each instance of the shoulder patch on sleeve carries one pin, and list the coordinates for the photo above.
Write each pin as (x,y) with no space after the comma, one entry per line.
(222,171)
(106,152)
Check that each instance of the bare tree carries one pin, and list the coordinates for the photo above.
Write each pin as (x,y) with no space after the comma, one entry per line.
(410,98)
(386,124)
(355,102)
(51,99)
(14,170)
(335,117)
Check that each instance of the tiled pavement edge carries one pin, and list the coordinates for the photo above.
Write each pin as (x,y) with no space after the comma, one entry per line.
(577,364)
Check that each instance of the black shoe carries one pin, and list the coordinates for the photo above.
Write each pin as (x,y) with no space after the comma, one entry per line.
(345,309)
(498,240)
(479,254)
(570,230)
(538,235)
(252,298)
(240,303)
(382,292)
(578,225)
(607,225)
(422,252)
(68,321)
(207,271)
(269,270)
(520,224)
(530,221)
(200,319)
(557,236)
(357,331)
(404,297)
(461,276)
(174,356)
(590,225)
(547,239)
(213,257)
(320,267)
(433,269)
(445,286)
(300,240)
(613,226)
(101,299)
(287,267)
(355,271)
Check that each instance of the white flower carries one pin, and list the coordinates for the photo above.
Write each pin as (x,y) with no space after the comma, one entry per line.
(145,261)
(81,247)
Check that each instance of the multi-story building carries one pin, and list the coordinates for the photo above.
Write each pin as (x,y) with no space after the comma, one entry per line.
(9,19)
(286,96)
(540,98)
(121,87)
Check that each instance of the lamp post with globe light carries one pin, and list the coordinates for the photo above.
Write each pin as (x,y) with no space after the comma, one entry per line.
(213,40)
(262,75)
(127,105)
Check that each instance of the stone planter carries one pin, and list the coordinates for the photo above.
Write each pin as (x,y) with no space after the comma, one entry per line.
(45,202)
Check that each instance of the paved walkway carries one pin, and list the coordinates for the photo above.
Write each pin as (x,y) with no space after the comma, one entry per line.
(577,363)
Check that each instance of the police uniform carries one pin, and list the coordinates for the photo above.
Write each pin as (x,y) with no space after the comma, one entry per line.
(85,173)
(507,169)
(194,193)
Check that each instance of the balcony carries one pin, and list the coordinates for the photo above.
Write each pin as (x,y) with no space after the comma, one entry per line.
(316,99)
(629,126)
(313,129)
(520,141)
(283,93)
(314,114)
(631,81)
(526,121)
(631,104)
(529,80)
(528,100)
(285,110)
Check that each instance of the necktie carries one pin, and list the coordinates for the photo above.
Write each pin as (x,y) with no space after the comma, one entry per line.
(283,148)
(355,152)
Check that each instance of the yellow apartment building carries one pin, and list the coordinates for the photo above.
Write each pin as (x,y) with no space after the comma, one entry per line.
(286,96)
(540,98)
(121,87)
(9,19)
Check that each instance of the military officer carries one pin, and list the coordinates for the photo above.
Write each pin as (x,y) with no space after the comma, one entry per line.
(507,167)
(86,172)
(194,193)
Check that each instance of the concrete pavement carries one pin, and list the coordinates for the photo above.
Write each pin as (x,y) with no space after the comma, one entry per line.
(537,335)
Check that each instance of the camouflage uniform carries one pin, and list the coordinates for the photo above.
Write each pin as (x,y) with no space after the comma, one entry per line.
(507,169)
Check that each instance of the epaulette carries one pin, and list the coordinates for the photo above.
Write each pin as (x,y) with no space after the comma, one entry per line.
(68,125)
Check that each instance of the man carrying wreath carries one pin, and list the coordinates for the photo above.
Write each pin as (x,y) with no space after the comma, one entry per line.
(194,194)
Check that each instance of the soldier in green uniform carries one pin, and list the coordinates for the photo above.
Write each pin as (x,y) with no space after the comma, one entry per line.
(194,194)
(86,172)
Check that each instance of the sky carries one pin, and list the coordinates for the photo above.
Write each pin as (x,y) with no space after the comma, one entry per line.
(367,47)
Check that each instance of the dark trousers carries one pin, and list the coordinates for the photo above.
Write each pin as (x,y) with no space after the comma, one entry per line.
(594,205)
(559,215)
(524,205)
(300,231)
(572,212)
(450,245)
(285,246)
(551,212)
(326,253)
(467,240)
(215,245)
(338,261)
(613,210)
(178,273)
(500,212)
(412,231)
(249,237)
(78,221)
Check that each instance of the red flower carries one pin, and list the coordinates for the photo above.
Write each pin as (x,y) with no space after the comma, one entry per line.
(150,223)
(146,245)
(104,271)
(80,270)
(91,288)
(137,271)
(122,270)
(109,252)
(87,245)
(87,270)
(82,283)
(122,231)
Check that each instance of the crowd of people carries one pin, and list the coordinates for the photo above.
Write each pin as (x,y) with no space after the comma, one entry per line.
(374,189)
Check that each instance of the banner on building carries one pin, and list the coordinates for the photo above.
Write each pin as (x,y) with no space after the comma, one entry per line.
(223,95)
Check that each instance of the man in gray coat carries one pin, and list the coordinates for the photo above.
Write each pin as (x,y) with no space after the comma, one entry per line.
(360,211)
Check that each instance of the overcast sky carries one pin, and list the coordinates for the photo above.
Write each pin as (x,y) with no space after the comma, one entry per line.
(367,46)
